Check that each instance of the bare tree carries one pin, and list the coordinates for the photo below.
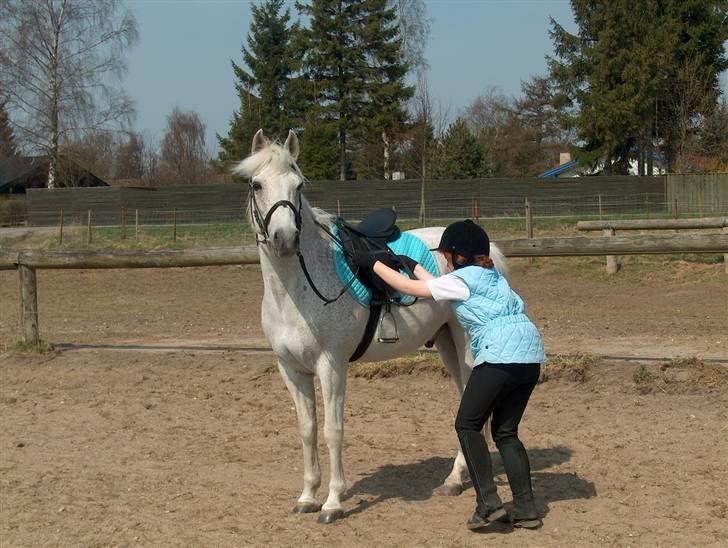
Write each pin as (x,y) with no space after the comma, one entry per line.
(184,156)
(130,158)
(414,28)
(94,151)
(60,63)
(691,100)
(7,138)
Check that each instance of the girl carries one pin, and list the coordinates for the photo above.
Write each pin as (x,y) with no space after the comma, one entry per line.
(507,353)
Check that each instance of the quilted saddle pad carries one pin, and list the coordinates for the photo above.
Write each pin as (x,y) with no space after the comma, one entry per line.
(406,244)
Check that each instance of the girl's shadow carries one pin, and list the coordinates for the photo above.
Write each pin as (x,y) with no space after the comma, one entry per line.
(416,481)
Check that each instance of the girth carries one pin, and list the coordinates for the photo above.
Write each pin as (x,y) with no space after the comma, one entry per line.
(372,235)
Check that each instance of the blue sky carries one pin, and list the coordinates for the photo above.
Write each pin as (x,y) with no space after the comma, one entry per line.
(183,56)
(185,47)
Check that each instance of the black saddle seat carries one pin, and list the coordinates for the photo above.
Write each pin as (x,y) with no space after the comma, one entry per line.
(379,228)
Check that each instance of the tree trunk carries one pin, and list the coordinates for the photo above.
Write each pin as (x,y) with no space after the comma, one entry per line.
(53,92)
(385,140)
(342,152)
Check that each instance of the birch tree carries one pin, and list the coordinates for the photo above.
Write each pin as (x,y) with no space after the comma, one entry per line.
(61,63)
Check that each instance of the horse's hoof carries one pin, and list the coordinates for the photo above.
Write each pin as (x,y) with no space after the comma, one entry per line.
(449,490)
(330,516)
(306,507)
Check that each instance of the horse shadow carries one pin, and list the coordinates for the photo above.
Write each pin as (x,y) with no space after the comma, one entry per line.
(417,481)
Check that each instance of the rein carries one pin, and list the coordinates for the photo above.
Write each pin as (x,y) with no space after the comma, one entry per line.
(264,221)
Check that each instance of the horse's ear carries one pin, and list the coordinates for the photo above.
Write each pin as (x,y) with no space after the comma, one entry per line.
(259,142)
(291,144)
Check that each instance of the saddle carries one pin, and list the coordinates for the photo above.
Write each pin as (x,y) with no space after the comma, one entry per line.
(372,235)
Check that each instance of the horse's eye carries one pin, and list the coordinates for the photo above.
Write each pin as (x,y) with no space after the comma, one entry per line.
(257,186)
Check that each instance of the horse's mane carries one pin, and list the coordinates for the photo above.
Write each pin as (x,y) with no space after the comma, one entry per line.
(274,155)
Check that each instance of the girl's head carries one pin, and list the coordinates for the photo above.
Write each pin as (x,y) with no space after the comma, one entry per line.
(464,243)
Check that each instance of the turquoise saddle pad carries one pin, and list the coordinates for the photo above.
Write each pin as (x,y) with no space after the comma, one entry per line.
(406,244)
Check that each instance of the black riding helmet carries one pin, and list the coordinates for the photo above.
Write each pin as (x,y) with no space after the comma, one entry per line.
(464,238)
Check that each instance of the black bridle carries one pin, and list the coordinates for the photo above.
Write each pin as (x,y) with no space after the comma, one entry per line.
(263,222)
(262,236)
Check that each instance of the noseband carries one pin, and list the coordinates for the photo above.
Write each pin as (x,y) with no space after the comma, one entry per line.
(263,222)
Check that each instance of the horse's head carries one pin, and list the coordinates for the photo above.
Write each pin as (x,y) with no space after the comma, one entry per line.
(275,192)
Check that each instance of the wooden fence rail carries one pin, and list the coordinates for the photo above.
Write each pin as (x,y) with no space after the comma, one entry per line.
(27,262)
(654,224)
(609,228)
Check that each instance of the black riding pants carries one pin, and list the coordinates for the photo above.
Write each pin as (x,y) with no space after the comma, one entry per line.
(500,390)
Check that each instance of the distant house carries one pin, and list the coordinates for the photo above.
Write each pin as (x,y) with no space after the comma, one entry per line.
(19,173)
(571,168)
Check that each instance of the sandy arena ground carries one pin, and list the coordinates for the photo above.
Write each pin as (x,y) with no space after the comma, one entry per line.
(158,420)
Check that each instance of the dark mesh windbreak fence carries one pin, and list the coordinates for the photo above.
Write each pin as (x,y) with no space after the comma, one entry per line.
(226,203)
(221,203)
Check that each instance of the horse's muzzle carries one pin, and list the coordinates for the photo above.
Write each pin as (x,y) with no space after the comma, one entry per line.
(285,244)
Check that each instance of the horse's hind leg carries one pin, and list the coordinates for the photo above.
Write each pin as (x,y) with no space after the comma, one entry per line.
(451,343)
(301,387)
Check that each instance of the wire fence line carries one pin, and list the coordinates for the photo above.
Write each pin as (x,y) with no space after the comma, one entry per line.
(216,206)
(589,206)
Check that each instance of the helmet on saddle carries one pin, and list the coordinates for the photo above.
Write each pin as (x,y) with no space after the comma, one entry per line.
(464,238)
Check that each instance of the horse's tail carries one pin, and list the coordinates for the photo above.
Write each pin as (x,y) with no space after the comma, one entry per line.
(499,259)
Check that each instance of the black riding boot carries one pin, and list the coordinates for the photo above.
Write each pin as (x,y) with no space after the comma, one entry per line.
(518,470)
(489,505)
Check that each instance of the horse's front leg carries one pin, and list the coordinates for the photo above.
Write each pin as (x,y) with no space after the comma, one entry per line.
(301,387)
(333,388)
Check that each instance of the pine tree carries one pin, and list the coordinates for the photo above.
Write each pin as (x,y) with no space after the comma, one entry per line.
(622,67)
(353,63)
(384,114)
(7,137)
(460,155)
(264,88)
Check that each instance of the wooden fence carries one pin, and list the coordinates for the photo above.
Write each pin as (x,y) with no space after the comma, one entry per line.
(27,262)
(442,199)
(698,193)
(609,228)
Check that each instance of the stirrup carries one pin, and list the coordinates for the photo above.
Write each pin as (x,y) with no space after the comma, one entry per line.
(388,334)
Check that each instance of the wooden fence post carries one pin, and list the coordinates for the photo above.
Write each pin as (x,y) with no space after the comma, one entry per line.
(599,198)
(174,224)
(338,208)
(60,229)
(123,223)
(647,204)
(529,225)
(675,209)
(612,260)
(422,203)
(725,255)
(136,225)
(89,237)
(477,211)
(28,304)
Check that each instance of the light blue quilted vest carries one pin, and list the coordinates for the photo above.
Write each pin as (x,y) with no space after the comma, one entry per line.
(494,317)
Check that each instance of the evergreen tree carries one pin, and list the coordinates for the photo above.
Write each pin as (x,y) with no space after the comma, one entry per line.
(319,152)
(623,63)
(460,155)
(264,87)
(7,137)
(384,114)
(356,77)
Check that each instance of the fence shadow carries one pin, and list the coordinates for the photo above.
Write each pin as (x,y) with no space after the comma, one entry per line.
(416,481)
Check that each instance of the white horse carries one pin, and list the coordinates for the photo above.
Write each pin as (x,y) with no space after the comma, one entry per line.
(309,338)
